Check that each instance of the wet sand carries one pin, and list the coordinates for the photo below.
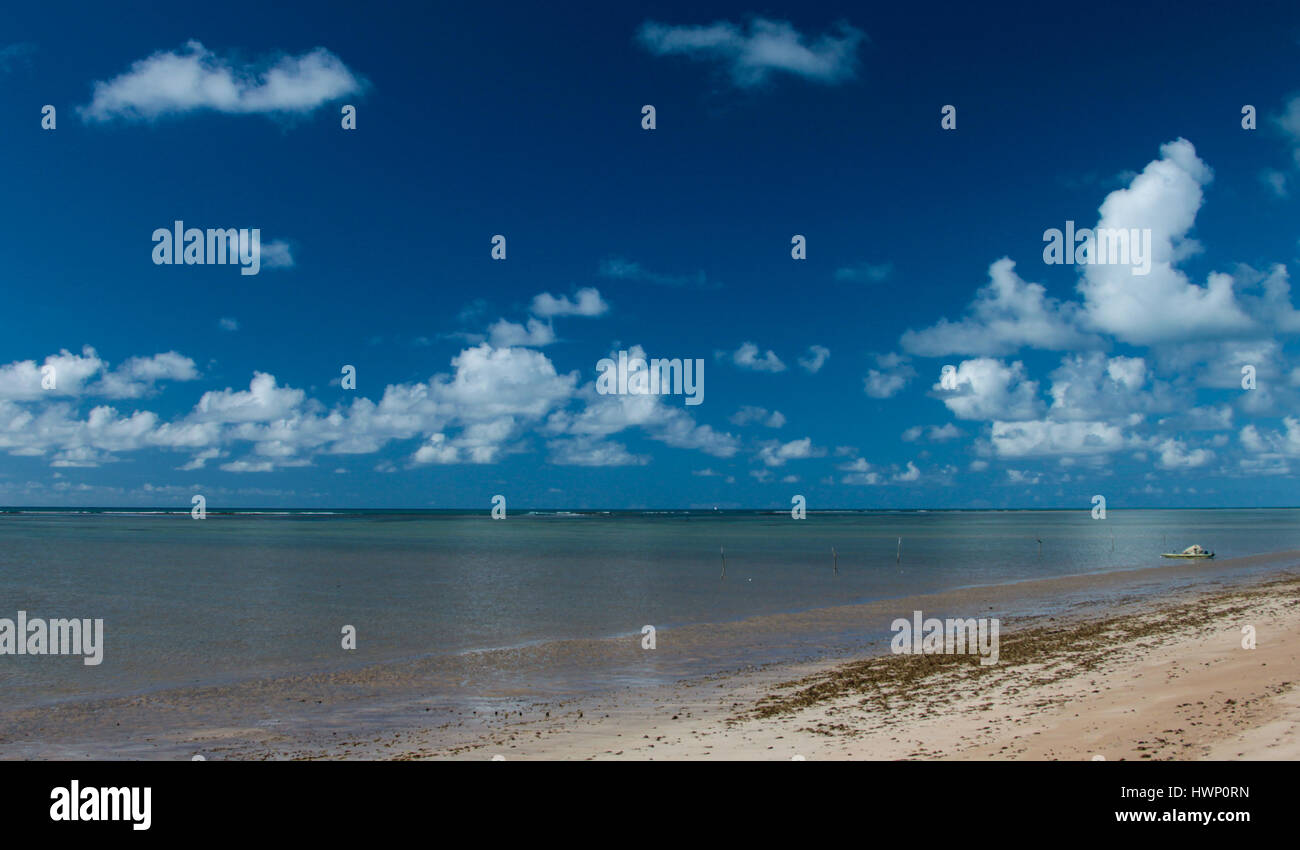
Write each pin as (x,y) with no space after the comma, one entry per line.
(1170,683)
(1140,664)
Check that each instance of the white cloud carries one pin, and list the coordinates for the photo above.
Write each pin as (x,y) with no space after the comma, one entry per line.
(604,415)
(748,357)
(894,373)
(817,357)
(751,55)
(1271,442)
(585,451)
(504,334)
(911,474)
(990,389)
(1174,455)
(750,414)
(1163,305)
(73,374)
(195,79)
(776,454)
(262,401)
(1007,314)
(588,303)
(1040,438)
(276,255)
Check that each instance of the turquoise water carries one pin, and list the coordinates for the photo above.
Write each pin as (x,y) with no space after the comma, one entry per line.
(242,595)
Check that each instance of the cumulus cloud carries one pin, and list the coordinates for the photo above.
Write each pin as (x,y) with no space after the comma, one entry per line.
(587,303)
(985,388)
(603,415)
(1042,438)
(89,375)
(776,454)
(1007,314)
(262,401)
(893,373)
(752,53)
(908,475)
(1270,442)
(534,332)
(585,451)
(1092,386)
(748,356)
(1163,305)
(194,79)
(504,333)
(1174,454)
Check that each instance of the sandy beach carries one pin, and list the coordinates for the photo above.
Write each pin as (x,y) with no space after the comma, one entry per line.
(1173,682)
(1140,675)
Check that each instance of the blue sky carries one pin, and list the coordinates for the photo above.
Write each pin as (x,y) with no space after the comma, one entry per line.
(476,376)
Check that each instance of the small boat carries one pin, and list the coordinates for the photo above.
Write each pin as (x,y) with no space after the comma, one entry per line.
(1195,551)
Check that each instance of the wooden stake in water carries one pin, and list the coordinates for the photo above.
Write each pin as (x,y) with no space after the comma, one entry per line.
(724,562)
(898,559)
(835,561)
(1040,546)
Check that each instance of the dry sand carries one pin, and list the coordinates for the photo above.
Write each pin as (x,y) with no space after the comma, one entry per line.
(1170,682)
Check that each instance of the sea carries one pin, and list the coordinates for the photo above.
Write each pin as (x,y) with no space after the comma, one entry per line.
(541,602)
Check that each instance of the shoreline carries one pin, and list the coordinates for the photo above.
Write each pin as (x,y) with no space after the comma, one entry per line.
(1169,683)
(387,711)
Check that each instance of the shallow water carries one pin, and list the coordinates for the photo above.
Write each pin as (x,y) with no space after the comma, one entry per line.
(241,596)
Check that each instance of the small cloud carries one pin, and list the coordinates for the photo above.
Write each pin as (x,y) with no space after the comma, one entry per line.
(276,255)
(621,269)
(864,273)
(1275,181)
(893,373)
(12,55)
(750,414)
(911,474)
(748,357)
(817,357)
(227,324)
(587,303)
(776,454)
(752,54)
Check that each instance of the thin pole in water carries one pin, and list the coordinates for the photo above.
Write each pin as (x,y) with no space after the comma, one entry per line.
(723,552)
(835,561)
(898,559)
